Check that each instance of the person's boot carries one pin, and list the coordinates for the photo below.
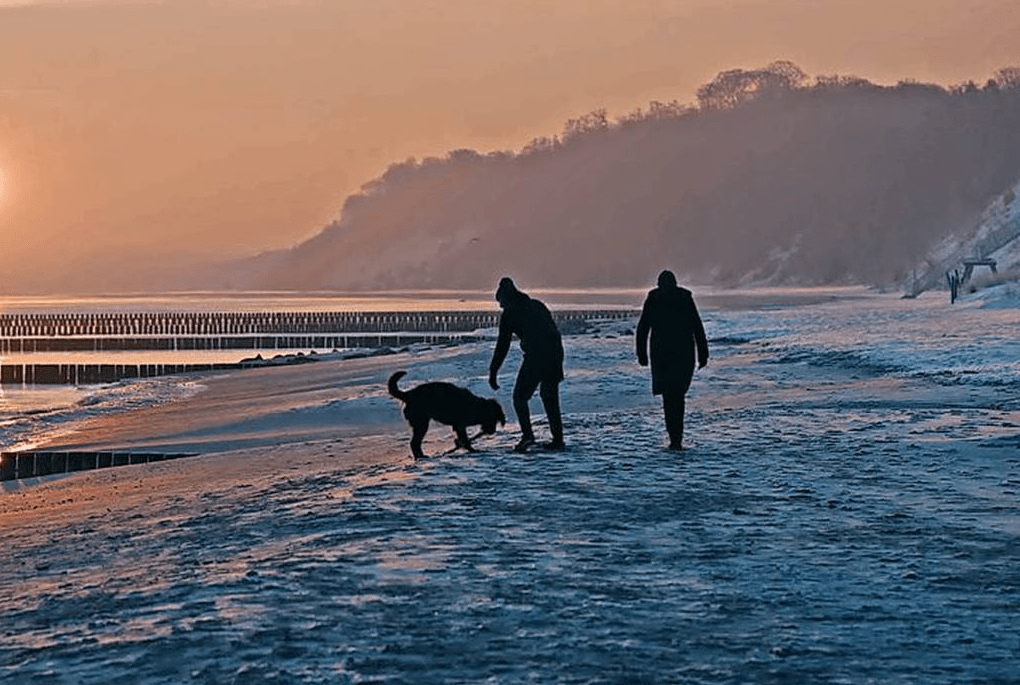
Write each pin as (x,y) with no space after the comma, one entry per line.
(551,402)
(525,443)
(674,410)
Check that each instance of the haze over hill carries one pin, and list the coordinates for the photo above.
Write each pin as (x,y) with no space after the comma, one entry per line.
(771,176)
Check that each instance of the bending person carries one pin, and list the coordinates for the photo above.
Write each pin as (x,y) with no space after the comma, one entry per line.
(542,367)
(676,329)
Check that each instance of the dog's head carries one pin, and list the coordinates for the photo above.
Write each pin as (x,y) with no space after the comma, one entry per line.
(493,414)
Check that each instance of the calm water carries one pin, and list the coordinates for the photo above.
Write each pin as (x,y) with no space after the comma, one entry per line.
(29,411)
(851,327)
(401,300)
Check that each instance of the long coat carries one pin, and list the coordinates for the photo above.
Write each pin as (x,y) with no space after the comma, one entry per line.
(677,333)
(532,322)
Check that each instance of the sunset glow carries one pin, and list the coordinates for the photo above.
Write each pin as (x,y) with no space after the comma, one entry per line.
(175,133)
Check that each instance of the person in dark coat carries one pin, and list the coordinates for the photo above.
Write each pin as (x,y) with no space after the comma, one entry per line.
(677,332)
(542,366)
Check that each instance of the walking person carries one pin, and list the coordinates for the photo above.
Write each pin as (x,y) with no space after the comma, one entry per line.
(542,367)
(671,316)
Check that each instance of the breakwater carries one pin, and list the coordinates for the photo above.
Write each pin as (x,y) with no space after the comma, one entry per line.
(24,334)
(88,374)
(19,465)
(219,342)
(215,324)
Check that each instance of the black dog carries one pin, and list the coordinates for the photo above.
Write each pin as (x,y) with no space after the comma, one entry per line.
(449,404)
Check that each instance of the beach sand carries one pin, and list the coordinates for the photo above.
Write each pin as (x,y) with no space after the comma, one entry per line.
(834,523)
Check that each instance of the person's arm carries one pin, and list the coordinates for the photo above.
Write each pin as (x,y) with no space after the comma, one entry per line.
(644,324)
(502,348)
(699,336)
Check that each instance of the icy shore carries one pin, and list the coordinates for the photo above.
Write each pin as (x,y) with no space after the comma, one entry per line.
(848,511)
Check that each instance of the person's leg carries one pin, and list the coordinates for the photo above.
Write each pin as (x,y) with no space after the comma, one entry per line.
(679,420)
(673,409)
(550,394)
(524,388)
(667,405)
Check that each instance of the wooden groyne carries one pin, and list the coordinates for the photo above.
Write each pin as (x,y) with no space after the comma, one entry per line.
(27,334)
(27,373)
(89,374)
(19,465)
(197,324)
(336,341)
(217,324)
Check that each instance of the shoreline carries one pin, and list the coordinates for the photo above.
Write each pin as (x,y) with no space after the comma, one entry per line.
(225,414)
(232,409)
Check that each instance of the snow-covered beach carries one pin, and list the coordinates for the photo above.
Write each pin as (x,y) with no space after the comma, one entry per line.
(848,511)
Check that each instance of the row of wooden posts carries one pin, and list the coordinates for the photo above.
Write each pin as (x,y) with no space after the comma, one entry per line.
(26,334)
(90,374)
(27,373)
(185,324)
(337,341)
(20,465)
(239,330)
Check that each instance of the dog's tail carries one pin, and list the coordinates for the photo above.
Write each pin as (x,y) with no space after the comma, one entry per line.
(394,390)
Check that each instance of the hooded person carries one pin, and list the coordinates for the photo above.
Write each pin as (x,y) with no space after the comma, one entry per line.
(542,366)
(677,343)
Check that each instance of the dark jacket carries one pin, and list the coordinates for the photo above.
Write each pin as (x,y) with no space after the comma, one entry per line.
(671,316)
(530,320)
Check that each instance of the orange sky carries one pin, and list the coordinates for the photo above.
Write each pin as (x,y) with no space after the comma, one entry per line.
(138,133)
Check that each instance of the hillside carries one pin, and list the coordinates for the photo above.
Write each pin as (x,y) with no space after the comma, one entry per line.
(771,176)
(995,235)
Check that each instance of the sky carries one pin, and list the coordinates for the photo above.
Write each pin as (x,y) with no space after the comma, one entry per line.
(138,135)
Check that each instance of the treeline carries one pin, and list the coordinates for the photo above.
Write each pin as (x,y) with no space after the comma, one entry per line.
(770,176)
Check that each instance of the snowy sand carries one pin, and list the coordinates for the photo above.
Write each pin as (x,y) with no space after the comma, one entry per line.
(848,511)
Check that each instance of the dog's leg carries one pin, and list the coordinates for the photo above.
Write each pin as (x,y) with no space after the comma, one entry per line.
(418,434)
(462,438)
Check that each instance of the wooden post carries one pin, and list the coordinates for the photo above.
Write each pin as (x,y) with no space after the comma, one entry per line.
(8,466)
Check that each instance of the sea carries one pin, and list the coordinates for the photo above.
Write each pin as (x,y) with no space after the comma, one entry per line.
(972,343)
(32,413)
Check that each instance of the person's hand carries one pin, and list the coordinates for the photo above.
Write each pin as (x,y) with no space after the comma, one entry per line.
(492,381)
(642,360)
